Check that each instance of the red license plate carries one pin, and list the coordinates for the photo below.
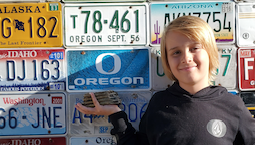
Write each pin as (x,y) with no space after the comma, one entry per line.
(246,66)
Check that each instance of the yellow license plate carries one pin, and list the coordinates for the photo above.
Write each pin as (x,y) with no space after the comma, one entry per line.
(252,110)
(30,25)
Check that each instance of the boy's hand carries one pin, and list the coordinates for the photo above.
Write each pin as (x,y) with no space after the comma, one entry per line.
(98,109)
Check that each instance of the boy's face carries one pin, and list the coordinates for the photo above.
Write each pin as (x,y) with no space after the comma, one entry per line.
(188,60)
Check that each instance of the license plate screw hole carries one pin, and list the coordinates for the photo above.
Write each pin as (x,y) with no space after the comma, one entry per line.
(166,6)
(132,42)
(81,43)
(83,52)
(130,7)
(85,87)
(48,95)
(50,140)
(49,131)
(47,88)
(79,7)
(217,4)
(47,52)
(86,141)
(44,42)
(133,86)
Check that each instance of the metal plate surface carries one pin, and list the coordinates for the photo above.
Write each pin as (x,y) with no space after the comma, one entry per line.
(133,103)
(73,1)
(34,141)
(33,114)
(245,28)
(108,69)
(32,69)
(93,140)
(105,24)
(31,25)
(227,71)
(159,80)
(246,69)
(219,15)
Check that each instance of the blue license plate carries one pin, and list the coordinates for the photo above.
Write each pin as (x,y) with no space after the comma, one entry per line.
(32,114)
(125,69)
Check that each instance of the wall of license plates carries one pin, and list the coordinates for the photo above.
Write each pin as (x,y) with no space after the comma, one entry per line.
(53,52)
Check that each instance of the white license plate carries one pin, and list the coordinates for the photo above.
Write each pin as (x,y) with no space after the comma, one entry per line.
(34,141)
(32,69)
(246,68)
(32,114)
(219,15)
(105,24)
(93,140)
(245,24)
(133,103)
(159,80)
(227,76)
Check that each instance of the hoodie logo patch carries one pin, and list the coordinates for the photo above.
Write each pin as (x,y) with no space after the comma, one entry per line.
(216,128)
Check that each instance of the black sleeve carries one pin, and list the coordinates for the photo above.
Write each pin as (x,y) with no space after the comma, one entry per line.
(246,133)
(124,131)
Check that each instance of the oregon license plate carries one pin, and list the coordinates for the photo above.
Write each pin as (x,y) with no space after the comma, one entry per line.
(33,114)
(246,68)
(31,25)
(93,140)
(133,103)
(32,69)
(245,27)
(226,73)
(105,24)
(219,15)
(108,69)
(34,141)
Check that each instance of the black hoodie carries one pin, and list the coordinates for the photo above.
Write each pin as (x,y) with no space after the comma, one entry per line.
(212,116)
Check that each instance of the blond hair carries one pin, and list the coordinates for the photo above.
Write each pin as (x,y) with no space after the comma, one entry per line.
(195,29)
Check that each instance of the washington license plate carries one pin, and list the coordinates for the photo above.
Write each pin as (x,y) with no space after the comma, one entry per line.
(133,103)
(245,27)
(33,114)
(32,69)
(31,25)
(246,68)
(105,24)
(108,69)
(226,73)
(219,15)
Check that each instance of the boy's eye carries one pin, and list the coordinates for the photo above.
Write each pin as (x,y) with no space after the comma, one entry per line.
(176,52)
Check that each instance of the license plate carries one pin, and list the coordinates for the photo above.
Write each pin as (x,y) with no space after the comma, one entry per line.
(219,15)
(245,27)
(226,73)
(102,140)
(105,24)
(246,68)
(159,80)
(133,103)
(102,1)
(31,69)
(249,100)
(33,114)
(34,141)
(118,69)
(31,25)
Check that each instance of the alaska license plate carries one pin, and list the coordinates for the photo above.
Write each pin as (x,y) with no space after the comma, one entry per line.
(227,71)
(32,114)
(105,24)
(245,24)
(32,69)
(108,69)
(246,68)
(219,15)
(34,141)
(31,25)
(133,103)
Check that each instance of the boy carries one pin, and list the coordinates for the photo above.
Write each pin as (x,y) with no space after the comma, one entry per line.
(191,111)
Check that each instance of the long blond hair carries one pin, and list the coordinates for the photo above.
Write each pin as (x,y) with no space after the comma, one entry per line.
(195,29)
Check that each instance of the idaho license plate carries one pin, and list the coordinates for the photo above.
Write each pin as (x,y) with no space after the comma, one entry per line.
(31,25)
(34,141)
(133,103)
(32,69)
(105,24)
(33,114)
(219,15)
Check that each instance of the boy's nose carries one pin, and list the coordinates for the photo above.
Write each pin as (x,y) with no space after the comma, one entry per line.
(187,57)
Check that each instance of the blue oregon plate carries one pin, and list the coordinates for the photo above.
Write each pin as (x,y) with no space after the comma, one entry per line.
(125,69)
